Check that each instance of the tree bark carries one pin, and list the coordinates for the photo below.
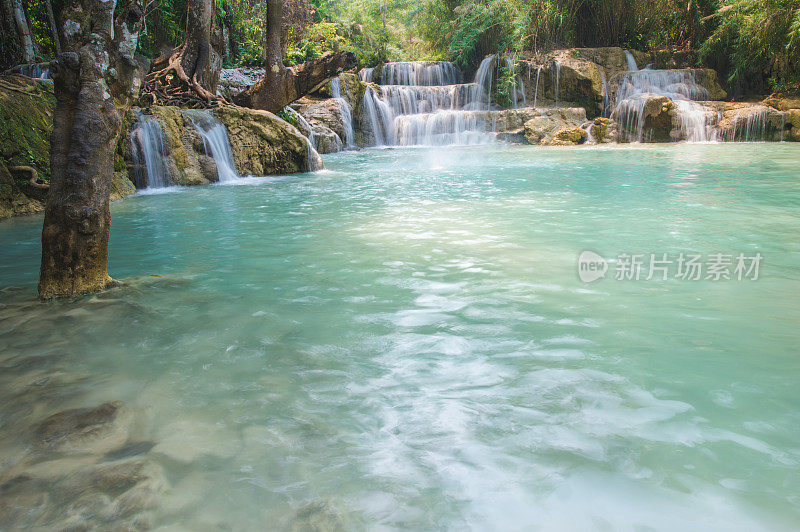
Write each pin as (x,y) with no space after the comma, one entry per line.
(93,81)
(53,28)
(278,89)
(190,73)
(281,86)
(23,31)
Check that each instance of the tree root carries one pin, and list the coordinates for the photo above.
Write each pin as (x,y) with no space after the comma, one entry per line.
(170,85)
(34,180)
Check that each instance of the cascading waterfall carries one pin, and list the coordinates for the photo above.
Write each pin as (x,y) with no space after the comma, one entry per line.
(536,93)
(366,74)
(519,86)
(420,73)
(422,103)
(632,66)
(150,155)
(311,138)
(558,80)
(347,114)
(215,141)
(695,122)
(750,125)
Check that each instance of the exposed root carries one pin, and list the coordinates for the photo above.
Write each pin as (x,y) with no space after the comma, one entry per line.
(170,85)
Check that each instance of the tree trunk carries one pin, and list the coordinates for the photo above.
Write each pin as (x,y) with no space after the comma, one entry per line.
(53,27)
(91,79)
(23,31)
(281,86)
(190,74)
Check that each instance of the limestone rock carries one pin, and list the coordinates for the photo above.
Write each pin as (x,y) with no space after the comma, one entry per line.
(264,144)
(569,136)
(85,430)
(550,125)
(233,81)
(755,122)
(604,130)
(187,165)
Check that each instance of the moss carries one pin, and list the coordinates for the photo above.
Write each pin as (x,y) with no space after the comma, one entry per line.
(262,143)
(26,121)
(121,186)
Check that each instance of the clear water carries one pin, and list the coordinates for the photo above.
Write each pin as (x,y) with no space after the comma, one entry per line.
(404,338)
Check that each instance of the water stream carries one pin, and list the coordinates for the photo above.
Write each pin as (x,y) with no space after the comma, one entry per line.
(215,141)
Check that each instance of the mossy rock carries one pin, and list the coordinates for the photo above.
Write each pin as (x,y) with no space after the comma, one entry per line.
(264,144)
(26,121)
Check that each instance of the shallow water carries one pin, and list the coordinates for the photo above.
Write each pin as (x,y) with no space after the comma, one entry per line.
(402,342)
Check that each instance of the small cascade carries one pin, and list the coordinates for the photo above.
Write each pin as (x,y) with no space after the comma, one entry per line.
(311,138)
(347,114)
(632,66)
(558,80)
(366,74)
(536,92)
(695,122)
(423,103)
(483,81)
(519,86)
(215,141)
(150,155)
(420,73)
(750,125)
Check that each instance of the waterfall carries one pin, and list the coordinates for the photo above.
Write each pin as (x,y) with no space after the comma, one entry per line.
(215,141)
(558,80)
(150,155)
(311,138)
(695,122)
(605,91)
(536,93)
(422,103)
(419,73)
(366,74)
(632,66)
(483,81)
(519,86)
(347,115)
(750,125)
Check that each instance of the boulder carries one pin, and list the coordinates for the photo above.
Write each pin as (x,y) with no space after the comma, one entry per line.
(569,136)
(604,131)
(84,430)
(264,144)
(233,81)
(556,126)
(327,113)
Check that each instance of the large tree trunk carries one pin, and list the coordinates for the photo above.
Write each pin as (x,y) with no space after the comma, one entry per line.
(23,30)
(93,82)
(190,73)
(281,86)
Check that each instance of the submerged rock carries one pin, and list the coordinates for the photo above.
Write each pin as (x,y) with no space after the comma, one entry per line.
(85,430)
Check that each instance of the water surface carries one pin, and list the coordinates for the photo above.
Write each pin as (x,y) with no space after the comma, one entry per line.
(403,339)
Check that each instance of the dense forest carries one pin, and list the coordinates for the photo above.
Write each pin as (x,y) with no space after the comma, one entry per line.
(754,44)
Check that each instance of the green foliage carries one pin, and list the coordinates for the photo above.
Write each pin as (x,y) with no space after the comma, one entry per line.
(287,117)
(757,42)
